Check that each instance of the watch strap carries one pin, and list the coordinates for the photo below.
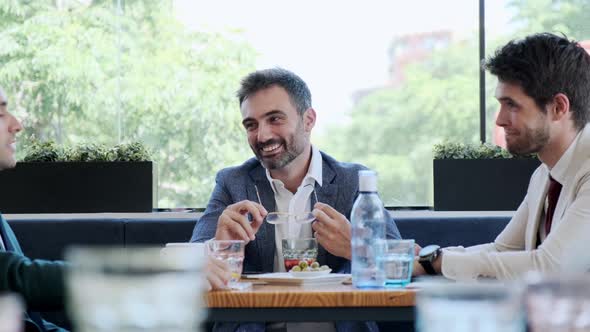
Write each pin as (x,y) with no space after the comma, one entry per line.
(427,266)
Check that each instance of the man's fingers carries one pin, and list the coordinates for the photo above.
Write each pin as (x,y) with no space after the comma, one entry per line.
(417,249)
(233,227)
(218,273)
(322,219)
(318,226)
(328,210)
(257,211)
(218,265)
(256,225)
(239,222)
(215,282)
(319,237)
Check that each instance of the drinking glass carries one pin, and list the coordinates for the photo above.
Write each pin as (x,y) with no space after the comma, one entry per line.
(231,252)
(558,303)
(473,307)
(296,250)
(11,313)
(134,289)
(397,259)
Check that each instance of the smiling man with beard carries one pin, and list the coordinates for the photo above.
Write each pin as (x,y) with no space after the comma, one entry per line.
(288,175)
(544,95)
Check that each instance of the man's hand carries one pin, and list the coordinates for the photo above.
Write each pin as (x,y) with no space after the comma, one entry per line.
(218,273)
(419,270)
(233,223)
(332,230)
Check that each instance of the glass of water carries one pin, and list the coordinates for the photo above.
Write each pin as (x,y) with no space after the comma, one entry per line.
(558,303)
(231,252)
(470,307)
(134,289)
(397,259)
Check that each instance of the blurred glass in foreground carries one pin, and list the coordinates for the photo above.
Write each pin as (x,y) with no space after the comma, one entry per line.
(558,304)
(135,289)
(11,313)
(472,307)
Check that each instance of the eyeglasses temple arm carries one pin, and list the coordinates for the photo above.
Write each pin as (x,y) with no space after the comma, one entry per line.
(258,194)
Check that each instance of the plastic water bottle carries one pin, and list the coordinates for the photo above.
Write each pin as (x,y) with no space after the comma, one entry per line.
(368,230)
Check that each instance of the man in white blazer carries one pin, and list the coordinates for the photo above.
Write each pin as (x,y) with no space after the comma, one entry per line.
(544,95)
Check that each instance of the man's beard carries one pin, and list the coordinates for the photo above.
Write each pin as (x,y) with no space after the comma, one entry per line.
(290,150)
(532,141)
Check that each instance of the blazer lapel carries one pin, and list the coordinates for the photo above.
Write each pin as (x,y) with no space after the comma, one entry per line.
(581,155)
(265,237)
(327,194)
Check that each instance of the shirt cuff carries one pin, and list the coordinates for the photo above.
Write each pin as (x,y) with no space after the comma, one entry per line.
(460,265)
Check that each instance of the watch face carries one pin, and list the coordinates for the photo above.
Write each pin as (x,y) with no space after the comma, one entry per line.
(428,250)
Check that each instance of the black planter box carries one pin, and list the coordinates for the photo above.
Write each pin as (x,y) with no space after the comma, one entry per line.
(77,187)
(481,184)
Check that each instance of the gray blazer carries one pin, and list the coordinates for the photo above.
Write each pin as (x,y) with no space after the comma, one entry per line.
(234,184)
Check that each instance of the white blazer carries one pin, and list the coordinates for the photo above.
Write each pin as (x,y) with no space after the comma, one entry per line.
(515,251)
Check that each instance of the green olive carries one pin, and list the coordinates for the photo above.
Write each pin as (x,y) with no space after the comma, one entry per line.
(324,268)
(303,265)
(315,265)
(296,268)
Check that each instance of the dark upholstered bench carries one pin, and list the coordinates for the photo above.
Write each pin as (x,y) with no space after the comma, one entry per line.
(47,238)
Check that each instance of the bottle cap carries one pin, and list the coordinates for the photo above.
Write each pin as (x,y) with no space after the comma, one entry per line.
(368,181)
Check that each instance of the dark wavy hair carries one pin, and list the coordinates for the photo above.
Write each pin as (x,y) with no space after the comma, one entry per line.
(261,79)
(544,65)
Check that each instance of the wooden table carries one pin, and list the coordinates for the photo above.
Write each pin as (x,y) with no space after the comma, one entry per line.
(319,303)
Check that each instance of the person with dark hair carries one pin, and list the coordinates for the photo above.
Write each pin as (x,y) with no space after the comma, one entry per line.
(544,95)
(288,174)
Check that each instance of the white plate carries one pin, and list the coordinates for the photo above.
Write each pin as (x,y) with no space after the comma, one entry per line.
(286,278)
(310,274)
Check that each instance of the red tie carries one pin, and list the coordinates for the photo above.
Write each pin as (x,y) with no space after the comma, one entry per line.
(552,196)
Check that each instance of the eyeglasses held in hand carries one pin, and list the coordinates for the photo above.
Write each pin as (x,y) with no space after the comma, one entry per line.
(277,218)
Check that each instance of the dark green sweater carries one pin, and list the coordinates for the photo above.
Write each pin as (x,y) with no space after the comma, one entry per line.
(39,282)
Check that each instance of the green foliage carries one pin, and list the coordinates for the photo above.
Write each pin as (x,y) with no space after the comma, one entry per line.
(393,129)
(49,151)
(457,150)
(45,152)
(78,71)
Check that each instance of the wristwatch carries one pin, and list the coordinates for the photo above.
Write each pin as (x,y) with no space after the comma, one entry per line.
(428,255)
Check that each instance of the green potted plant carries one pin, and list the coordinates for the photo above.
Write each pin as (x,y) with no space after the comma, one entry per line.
(479,177)
(82,179)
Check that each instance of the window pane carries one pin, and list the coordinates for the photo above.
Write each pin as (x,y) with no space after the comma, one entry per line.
(507,20)
(388,81)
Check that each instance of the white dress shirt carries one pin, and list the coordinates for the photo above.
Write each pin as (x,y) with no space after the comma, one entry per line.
(297,203)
